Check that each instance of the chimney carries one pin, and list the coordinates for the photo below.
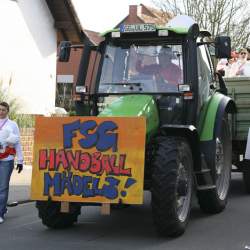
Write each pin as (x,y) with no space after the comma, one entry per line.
(135,10)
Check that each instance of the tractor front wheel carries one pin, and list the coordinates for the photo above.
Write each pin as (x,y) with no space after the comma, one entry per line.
(172,183)
(52,217)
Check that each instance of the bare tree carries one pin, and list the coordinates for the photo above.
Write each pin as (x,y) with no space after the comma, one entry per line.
(220,17)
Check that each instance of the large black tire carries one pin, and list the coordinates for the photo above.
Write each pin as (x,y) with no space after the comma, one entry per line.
(119,206)
(49,212)
(214,200)
(246,176)
(172,182)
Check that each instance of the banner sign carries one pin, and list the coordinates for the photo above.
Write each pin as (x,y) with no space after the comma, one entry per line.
(89,159)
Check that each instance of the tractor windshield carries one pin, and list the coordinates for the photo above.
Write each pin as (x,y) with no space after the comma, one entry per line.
(136,68)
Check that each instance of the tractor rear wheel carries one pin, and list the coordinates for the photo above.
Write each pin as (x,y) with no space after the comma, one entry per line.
(214,200)
(172,183)
(49,212)
(246,176)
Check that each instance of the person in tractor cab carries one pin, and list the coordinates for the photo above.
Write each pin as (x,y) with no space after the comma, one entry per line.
(164,71)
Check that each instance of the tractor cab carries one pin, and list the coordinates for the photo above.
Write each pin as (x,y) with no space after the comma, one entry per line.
(135,65)
(144,59)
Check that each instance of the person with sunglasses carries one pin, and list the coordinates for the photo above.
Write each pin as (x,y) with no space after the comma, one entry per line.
(240,64)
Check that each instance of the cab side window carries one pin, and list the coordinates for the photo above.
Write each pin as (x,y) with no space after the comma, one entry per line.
(205,74)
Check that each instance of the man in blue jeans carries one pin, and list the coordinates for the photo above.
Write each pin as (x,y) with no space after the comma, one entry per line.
(8,149)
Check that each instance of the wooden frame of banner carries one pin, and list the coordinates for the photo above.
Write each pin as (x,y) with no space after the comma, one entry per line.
(105,209)
(64,207)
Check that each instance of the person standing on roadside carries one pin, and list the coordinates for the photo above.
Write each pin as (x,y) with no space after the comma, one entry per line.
(9,147)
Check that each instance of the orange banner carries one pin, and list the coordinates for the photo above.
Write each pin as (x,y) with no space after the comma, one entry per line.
(89,159)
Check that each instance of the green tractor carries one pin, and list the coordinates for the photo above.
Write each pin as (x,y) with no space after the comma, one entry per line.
(188,136)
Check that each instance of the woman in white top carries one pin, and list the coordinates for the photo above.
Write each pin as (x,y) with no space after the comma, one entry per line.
(9,147)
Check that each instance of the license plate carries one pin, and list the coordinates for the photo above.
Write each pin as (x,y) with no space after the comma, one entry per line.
(130,28)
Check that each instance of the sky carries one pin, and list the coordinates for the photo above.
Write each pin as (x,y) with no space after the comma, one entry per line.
(102,15)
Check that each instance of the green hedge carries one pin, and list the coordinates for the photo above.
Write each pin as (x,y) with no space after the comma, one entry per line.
(24,121)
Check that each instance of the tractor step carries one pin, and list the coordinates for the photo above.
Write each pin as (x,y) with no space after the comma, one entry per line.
(206,187)
(204,171)
(204,178)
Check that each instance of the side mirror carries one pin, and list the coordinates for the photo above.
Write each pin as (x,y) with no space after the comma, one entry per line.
(194,31)
(64,51)
(222,47)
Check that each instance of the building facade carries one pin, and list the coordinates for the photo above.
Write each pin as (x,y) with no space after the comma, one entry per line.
(28,54)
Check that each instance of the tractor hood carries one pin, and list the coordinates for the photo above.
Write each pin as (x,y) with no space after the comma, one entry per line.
(133,106)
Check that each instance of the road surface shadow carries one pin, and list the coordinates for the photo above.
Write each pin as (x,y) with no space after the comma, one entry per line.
(237,188)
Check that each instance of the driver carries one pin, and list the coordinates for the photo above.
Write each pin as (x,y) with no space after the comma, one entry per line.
(164,71)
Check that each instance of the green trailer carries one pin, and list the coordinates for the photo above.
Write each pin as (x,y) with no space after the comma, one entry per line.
(239,90)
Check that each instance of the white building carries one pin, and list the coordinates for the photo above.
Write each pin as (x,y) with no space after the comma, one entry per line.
(28,46)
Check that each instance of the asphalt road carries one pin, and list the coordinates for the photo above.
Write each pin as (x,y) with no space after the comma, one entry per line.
(131,228)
